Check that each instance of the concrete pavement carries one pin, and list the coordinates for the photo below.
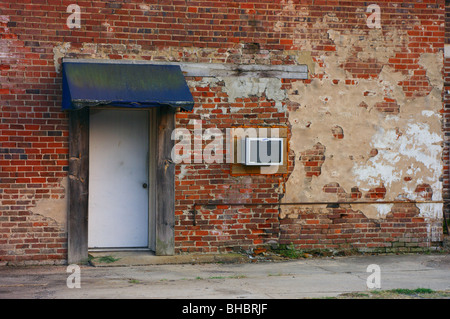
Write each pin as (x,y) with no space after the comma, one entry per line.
(303,278)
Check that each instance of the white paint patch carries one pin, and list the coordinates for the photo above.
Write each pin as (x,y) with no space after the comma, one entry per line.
(4,19)
(144,7)
(434,232)
(383,210)
(417,145)
(428,113)
(430,210)
(183,172)
(447,51)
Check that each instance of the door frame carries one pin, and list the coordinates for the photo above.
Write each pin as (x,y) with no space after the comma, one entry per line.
(162,199)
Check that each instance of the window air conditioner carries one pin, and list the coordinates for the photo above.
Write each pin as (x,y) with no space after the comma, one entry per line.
(261,151)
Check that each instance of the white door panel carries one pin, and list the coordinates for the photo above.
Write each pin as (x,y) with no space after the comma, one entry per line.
(118,170)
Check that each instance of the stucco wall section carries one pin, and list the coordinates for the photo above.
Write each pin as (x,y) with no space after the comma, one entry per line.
(54,209)
(395,149)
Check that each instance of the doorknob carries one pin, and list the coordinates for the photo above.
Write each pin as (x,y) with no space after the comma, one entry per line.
(144,185)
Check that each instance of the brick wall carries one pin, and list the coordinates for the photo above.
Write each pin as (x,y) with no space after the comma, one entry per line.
(221,227)
(33,139)
(331,37)
(348,229)
(446,97)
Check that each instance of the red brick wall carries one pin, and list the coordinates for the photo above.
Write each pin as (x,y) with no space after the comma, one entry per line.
(33,139)
(446,110)
(222,227)
(33,129)
(343,229)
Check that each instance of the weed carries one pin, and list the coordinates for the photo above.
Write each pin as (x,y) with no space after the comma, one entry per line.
(106,259)
(289,251)
(400,293)
(412,292)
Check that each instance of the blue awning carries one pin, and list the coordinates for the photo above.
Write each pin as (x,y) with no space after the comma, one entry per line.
(124,85)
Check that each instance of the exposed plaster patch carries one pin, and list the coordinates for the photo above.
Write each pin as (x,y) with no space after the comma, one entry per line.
(408,143)
(382,210)
(434,75)
(418,145)
(55,209)
(302,57)
(59,52)
(375,44)
(204,82)
(183,172)
(359,46)
(268,87)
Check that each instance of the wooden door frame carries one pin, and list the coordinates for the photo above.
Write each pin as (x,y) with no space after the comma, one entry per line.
(164,183)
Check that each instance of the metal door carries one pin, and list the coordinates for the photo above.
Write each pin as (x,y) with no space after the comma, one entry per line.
(118,179)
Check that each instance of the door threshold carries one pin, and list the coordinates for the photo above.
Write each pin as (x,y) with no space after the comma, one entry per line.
(120,249)
(122,257)
(147,258)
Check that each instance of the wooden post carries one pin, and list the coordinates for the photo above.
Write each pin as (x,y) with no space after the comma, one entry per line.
(165,183)
(79,186)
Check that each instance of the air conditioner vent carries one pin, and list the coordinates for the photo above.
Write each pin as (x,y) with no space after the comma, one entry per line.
(262,151)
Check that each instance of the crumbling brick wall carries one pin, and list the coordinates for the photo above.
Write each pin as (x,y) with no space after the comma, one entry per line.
(358,112)
(365,126)
(445,113)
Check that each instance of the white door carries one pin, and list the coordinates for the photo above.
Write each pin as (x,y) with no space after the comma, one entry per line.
(118,179)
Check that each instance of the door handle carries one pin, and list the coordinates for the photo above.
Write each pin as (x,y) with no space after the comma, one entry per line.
(144,185)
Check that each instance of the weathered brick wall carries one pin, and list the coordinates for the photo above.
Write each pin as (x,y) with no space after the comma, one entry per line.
(348,229)
(446,98)
(365,85)
(221,227)
(331,40)
(33,139)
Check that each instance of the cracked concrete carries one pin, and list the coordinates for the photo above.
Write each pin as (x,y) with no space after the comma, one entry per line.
(303,278)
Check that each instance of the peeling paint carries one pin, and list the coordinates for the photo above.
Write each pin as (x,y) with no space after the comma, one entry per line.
(268,87)
(408,143)
(59,52)
(183,171)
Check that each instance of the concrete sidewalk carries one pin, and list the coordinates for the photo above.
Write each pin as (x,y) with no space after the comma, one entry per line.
(303,278)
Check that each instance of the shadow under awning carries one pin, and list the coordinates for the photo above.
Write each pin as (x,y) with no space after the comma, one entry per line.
(87,84)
